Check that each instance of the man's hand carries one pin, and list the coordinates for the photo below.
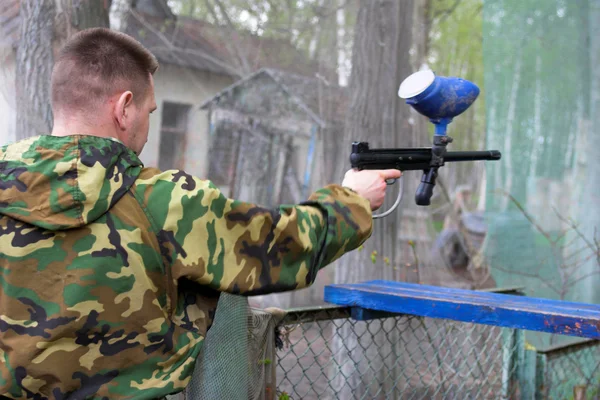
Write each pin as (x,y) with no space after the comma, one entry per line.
(370,184)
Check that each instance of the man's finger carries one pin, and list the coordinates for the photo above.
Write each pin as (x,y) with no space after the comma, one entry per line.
(390,173)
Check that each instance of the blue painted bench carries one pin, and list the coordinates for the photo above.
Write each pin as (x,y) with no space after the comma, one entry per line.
(373,299)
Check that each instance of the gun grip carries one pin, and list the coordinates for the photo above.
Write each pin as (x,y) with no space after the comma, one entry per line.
(425,189)
(424,193)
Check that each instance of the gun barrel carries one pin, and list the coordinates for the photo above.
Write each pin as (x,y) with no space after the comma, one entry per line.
(452,156)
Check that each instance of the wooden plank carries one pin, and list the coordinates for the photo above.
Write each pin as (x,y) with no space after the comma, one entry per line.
(544,315)
(468,295)
(570,346)
(301,315)
(518,290)
(364,314)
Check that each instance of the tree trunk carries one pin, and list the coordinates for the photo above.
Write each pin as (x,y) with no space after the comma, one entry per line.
(43,28)
(118,14)
(327,45)
(327,53)
(421,32)
(380,61)
(90,13)
(34,68)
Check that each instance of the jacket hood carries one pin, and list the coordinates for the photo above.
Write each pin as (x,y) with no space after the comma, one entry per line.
(64,182)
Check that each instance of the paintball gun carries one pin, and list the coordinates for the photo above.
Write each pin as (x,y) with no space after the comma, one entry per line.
(440,99)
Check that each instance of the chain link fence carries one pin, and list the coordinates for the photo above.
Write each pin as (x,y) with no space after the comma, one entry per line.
(325,355)
(333,352)
(570,372)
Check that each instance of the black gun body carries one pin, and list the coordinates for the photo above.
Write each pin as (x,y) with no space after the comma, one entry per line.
(412,159)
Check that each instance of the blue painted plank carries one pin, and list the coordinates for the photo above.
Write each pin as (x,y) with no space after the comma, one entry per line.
(489,298)
(365,314)
(544,315)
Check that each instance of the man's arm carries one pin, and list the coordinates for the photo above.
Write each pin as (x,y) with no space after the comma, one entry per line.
(243,248)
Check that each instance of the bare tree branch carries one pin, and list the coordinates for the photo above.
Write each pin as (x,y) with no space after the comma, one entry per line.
(565,270)
(597,242)
(169,45)
(447,12)
(526,215)
(576,253)
(529,275)
(239,53)
(309,25)
(562,235)
(573,283)
(576,229)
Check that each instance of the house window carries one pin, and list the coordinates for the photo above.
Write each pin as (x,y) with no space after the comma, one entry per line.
(173,134)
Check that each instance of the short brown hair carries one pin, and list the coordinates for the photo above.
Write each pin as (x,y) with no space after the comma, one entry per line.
(99,62)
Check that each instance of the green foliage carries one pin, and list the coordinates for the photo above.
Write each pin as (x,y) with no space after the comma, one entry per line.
(438,225)
(284,396)
(456,49)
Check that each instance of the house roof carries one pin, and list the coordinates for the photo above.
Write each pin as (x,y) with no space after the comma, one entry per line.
(191,43)
(201,45)
(171,41)
(322,103)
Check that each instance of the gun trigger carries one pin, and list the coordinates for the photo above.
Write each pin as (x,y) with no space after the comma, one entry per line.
(390,181)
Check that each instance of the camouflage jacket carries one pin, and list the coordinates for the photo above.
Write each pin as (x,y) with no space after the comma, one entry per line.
(110,272)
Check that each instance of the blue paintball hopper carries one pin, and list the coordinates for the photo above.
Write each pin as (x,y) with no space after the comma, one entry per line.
(438,98)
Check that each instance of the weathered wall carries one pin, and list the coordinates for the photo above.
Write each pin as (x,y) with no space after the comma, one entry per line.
(7,95)
(181,85)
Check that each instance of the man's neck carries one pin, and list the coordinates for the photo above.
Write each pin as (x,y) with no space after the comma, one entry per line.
(71,127)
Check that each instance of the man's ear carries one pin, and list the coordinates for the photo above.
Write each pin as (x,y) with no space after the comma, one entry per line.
(122,110)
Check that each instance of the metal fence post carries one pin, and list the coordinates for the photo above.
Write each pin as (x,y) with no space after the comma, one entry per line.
(541,386)
(518,361)
(527,375)
(509,362)
(519,367)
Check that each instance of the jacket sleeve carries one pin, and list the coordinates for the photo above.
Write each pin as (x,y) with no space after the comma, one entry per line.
(247,249)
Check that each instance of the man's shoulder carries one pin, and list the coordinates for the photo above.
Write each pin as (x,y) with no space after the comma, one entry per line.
(174,182)
(151,175)
(175,200)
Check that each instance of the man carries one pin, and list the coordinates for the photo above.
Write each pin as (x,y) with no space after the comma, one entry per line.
(98,254)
